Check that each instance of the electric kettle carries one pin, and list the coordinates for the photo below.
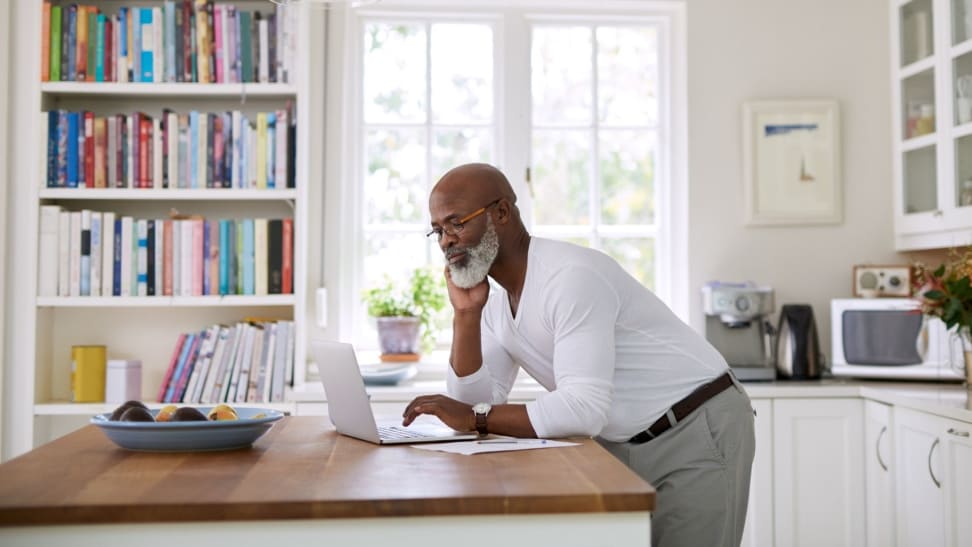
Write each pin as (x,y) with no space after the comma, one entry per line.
(797,350)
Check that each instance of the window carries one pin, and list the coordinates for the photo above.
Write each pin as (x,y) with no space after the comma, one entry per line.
(580,109)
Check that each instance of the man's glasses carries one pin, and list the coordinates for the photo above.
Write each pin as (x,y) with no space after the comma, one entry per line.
(456,226)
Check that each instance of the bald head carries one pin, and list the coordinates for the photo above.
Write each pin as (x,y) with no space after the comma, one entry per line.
(479,182)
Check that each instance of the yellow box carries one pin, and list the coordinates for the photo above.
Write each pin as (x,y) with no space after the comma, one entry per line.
(88,373)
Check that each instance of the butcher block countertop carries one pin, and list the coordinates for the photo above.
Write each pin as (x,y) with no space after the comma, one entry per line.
(302,469)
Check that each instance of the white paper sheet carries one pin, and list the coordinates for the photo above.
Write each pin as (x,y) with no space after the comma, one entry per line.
(468,448)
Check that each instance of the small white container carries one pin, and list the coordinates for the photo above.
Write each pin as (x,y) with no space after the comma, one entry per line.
(123,380)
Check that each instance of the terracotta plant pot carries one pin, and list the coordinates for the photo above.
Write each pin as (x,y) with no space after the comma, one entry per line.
(398,335)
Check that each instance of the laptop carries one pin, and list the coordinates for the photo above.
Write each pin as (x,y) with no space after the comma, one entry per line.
(350,411)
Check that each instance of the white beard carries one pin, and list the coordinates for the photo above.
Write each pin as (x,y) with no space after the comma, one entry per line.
(479,259)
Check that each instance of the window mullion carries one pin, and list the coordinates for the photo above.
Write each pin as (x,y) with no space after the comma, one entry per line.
(595,184)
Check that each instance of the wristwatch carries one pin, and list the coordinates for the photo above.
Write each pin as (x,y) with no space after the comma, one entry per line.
(481,410)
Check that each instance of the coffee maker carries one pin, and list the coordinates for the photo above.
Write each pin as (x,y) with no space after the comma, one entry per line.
(737,324)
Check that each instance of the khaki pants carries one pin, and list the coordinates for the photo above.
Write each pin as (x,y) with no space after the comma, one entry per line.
(700,469)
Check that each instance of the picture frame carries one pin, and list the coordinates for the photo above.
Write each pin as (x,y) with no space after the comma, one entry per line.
(791,162)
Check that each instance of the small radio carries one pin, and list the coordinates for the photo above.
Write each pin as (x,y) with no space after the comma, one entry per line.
(872,281)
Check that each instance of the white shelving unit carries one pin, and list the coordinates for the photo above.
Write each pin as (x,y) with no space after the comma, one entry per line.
(144,328)
(931,53)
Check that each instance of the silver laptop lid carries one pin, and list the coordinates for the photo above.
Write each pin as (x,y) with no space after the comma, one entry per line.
(347,400)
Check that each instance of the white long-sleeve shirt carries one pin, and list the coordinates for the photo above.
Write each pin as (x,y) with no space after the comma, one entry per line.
(612,355)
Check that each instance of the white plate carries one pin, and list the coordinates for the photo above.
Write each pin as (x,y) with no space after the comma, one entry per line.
(189,436)
(387,375)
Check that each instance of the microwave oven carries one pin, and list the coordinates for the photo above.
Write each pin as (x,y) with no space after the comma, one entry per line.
(890,338)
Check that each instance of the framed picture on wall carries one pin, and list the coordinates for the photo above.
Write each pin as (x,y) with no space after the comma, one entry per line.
(791,162)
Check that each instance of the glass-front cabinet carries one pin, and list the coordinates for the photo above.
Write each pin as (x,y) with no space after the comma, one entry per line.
(932,97)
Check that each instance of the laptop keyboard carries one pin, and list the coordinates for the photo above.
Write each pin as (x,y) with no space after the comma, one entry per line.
(393,432)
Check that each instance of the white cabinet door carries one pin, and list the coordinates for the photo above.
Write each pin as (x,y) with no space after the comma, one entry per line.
(758,531)
(957,482)
(918,472)
(879,474)
(818,458)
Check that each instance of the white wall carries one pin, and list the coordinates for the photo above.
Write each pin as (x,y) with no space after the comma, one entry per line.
(743,50)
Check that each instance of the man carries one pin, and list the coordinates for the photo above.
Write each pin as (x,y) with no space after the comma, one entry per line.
(618,364)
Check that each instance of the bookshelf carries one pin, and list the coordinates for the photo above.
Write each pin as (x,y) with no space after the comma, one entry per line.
(143,327)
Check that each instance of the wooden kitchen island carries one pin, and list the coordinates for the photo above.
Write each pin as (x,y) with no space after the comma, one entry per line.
(303,484)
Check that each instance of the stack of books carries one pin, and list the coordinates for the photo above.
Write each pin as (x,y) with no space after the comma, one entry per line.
(249,362)
(191,150)
(94,253)
(179,41)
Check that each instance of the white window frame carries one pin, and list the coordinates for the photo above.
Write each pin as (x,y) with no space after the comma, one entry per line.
(342,235)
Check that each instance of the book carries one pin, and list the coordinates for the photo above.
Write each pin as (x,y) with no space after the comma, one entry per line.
(94,286)
(287,263)
(279,364)
(127,264)
(216,366)
(200,364)
(124,39)
(147,43)
(107,253)
(222,387)
(141,257)
(167,281)
(260,257)
(54,61)
(213,257)
(274,256)
(116,275)
(266,369)
(170,370)
(64,253)
(250,358)
(48,249)
(159,252)
(149,257)
(45,41)
(85,250)
(74,264)
(257,364)
(183,359)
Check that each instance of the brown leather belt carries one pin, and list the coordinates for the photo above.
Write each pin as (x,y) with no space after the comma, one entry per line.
(683,408)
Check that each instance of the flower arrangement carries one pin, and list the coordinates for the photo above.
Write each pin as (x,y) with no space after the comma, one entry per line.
(946,292)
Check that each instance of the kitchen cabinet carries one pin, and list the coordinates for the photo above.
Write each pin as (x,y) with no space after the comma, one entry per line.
(918,473)
(878,474)
(934,479)
(758,530)
(931,91)
(818,455)
(957,485)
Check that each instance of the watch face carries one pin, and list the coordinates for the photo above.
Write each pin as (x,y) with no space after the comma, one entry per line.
(481,408)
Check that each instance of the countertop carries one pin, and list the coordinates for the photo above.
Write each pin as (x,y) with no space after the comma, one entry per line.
(950,400)
(302,469)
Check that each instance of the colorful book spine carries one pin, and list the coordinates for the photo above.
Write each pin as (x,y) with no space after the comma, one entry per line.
(71,143)
(94,287)
(287,266)
(116,263)
(123,41)
(224,250)
(170,370)
(99,68)
(54,60)
(45,41)
(85,250)
(149,257)
(107,253)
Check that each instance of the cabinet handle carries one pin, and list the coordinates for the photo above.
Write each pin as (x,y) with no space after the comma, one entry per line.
(930,472)
(957,433)
(877,447)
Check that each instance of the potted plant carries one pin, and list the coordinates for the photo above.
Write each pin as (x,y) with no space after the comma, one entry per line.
(946,293)
(405,313)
